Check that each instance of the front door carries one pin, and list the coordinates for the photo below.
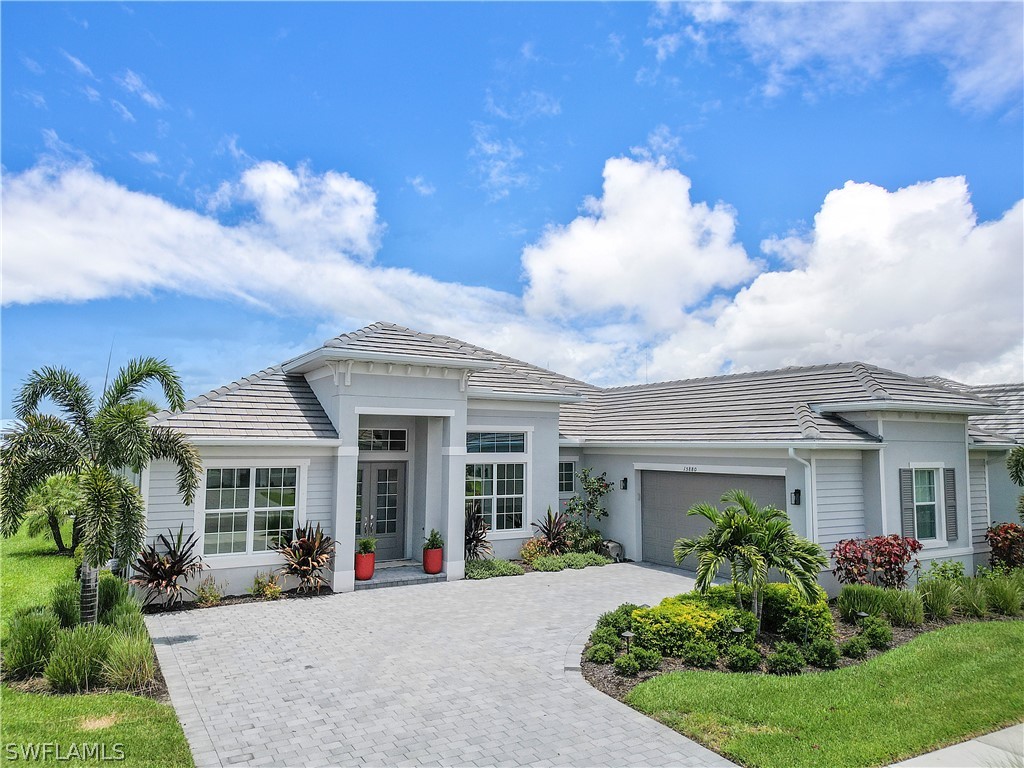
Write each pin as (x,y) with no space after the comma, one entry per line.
(380,507)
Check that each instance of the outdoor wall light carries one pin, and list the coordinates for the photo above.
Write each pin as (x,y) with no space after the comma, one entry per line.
(624,484)
(795,497)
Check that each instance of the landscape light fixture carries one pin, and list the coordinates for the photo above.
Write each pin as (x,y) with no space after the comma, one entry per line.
(861,615)
(628,636)
(795,497)
(738,630)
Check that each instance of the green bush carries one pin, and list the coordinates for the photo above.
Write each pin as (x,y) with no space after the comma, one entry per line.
(787,659)
(627,665)
(857,598)
(938,596)
(620,620)
(876,632)
(742,658)
(126,617)
(784,611)
(972,598)
(648,660)
(111,590)
(677,621)
(699,653)
(489,569)
(30,641)
(532,549)
(549,563)
(855,648)
(265,586)
(129,663)
(76,663)
(575,560)
(904,608)
(1003,595)
(600,653)
(65,599)
(605,635)
(944,570)
(209,592)
(822,652)
(593,558)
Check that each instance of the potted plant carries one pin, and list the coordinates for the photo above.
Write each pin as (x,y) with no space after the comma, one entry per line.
(433,552)
(365,559)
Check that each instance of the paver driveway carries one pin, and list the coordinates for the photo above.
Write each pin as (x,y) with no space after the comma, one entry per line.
(457,673)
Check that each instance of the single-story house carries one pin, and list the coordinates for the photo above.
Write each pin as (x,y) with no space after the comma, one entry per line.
(388,432)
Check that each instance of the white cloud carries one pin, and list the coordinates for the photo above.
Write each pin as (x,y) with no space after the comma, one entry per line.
(497,162)
(644,250)
(147,158)
(662,147)
(423,187)
(123,111)
(80,67)
(526,106)
(91,93)
(32,65)
(133,83)
(34,98)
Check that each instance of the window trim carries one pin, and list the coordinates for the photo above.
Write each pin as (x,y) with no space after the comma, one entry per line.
(570,493)
(938,468)
(525,458)
(248,558)
(388,450)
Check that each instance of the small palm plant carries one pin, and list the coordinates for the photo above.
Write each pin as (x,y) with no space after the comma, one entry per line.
(306,555)
(554,530)
(477,545)
(163,575)
(49,505)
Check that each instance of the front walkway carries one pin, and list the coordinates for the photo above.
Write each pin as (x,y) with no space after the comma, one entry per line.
(456,673)
(1002,749)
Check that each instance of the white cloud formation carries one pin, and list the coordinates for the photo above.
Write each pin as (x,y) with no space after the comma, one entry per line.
(422,187)
(79,66)
(526,106)
(643,250)
(497,162)
(134,84)
(123,111)
(34,98)
(662,146)
(147,158)
(91,93)
(32,65)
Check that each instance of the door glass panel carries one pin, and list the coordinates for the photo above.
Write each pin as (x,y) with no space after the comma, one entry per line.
(387,501)
(359,502)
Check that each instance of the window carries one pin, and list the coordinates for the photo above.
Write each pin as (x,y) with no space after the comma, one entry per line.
(926,505)
(496,442)
(240,500)
(497,492)
(567,477)
(382,440)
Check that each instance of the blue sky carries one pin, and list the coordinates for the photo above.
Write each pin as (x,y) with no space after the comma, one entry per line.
(617,191)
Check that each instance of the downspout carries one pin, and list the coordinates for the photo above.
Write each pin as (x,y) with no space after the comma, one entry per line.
(812,534)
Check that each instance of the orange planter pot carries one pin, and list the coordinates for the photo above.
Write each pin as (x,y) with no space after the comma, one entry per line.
(433,559)
(364,566)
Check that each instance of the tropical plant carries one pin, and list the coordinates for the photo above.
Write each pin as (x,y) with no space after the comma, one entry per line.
(128,664)
(76,663)
(434,540)
(904,608)
(1015,467)
(163,575)
(367,545)
(587,506)
(939,597)
(1007,543)
(112,590)
(66,602)
(49,505)
(880,560)
(94,442)
(553,529)
(971,598)
(477,545)
(306,556)
(861,598)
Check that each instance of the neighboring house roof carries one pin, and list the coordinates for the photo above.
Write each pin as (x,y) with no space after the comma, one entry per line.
(1010,397)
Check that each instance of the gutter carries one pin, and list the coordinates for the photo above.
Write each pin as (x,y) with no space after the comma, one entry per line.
(809,486)
(706,444)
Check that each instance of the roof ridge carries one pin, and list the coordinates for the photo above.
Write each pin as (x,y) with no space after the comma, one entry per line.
(740,375)
(805,419)
(933,384)
(215,394)
(876,390)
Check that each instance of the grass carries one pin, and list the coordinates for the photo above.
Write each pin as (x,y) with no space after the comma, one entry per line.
(941,688)
(148,731)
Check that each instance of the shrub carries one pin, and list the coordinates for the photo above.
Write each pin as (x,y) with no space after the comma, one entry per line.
(587,505)
(620,620)
(576,560)
(584,540)
(861,598)
(209,592)
(601,653)
(1007,543)
(904,608)
(742,658)
(477,545)
(823,653)
(971,598)
(265,586)
(944,570)
(855,648)
(126,618)
(159,574)
(627,665)
(938,596)
(787,659)
(605,635)
(648,660)
(678,621)
(111,590)
(549,563)
(593,558)
(129,664)
(880,560)
(1003,595)
(699,653)
(553,530)
(876,632)
(65,599)
(487,569)
(307,555)
(784,610)
(30,641)
(76,663)
(532,549)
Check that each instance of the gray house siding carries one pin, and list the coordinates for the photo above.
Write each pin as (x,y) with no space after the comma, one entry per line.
(840,493)
(165,509)
(979,501)
(1003,494)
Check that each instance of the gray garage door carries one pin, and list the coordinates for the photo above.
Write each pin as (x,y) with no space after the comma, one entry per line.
(666,496)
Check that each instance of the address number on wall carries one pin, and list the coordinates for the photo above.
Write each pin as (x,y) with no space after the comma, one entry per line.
(687,469)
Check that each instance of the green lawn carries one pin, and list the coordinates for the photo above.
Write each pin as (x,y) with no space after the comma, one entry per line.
(148,731)
(941,688)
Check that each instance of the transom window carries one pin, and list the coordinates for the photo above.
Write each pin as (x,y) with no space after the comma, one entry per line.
(926,506)
(497,492)
(239,500)
(566,477)
(382,440)
(496,442)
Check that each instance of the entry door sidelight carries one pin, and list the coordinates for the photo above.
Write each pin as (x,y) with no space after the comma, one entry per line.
(380,507)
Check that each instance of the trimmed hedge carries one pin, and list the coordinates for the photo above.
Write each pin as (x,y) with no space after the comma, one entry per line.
(673,624)
(489,569)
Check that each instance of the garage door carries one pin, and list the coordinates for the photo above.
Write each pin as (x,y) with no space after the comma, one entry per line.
(666,496)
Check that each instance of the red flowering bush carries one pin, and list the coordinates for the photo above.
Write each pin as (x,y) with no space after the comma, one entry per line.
(1007,543)
(881,560)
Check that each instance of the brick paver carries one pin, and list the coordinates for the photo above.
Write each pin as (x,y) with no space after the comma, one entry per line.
(463,673)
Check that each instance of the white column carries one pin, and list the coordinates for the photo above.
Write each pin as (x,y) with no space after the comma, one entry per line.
(344,579)
(453,491)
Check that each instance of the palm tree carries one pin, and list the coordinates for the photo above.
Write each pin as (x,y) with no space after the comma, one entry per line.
(95,443)
(51,504)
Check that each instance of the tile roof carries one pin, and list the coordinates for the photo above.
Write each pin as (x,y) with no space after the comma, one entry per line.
(1009,396)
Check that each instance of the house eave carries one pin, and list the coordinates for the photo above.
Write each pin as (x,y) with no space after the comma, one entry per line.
(706,444)
(860,406)
(320,357)
(482,393)
(277,442)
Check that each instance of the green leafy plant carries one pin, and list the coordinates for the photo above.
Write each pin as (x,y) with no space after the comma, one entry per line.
(488,569)
(861,598)
(880,560)
(593,558)
(620,620)
(549,563)
(678,621)
(1003,595)
(129,663)
(126,618)
(627,665)
(30,641)
(647,659)
(786,660)
(307,555)
(532,549)
(265,586)
(971,598)
(209,592)
(855,648)
(699,653)
(65,599)
(582,539)
(943,570)
(575,560)
(601,653)
(76,663)
(876,632)
(477,545)
(49,505)
(742,658)
(553,530)
(163,576)
(938,596)
(367,545)
(904,608)
(1015,468)
(586,506)
(434,540)
(823,653)
(606,635)
(112,590)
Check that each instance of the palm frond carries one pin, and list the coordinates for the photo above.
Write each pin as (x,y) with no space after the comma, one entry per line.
(134,376)
(65,388)
(101,502)
(123,435)
(130,526)
(173,446)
